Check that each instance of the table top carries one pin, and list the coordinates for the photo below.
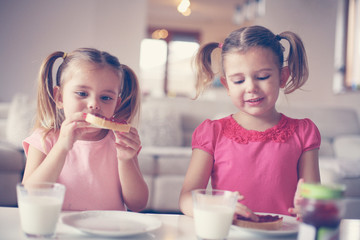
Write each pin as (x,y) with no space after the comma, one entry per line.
(174,227)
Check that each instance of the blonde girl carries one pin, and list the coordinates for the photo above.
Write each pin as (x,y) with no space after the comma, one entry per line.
(256,151)
(98,167)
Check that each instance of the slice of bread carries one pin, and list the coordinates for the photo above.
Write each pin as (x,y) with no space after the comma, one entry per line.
(266,222)
(102,122)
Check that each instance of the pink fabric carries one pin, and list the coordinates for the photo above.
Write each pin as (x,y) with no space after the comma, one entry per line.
(262,166)
(90,173)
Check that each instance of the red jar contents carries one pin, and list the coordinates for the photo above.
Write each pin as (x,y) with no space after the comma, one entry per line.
(321,211)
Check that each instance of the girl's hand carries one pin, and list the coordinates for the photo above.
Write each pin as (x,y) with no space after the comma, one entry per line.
(71,130)
(244,211)
(127,144)
(297,200)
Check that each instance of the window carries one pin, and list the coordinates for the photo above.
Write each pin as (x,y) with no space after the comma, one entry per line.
(347,50)
(166,63)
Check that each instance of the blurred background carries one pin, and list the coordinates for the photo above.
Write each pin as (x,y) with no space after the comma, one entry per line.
(158,38)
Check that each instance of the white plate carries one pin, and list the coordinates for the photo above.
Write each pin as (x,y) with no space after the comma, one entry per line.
(112,223)
(290,226)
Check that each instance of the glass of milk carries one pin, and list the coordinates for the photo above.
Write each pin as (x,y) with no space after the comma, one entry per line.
(39,207)
(213,212)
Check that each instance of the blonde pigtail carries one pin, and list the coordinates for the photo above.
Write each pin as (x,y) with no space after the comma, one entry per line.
(46,116)
(130,95)
(204,72)
(297,62)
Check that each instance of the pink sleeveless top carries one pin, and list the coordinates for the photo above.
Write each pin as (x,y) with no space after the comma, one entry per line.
(90,173)
(262,166)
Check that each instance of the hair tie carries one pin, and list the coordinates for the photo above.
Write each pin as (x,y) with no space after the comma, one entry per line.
(64,56)
(277,37)
(220,45)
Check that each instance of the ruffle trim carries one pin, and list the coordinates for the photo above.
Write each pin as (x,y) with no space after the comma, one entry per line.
(279,133)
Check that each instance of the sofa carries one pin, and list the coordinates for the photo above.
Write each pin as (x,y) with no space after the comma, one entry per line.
(165,128)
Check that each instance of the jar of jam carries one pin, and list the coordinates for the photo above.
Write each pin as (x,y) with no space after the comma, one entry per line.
(321,211)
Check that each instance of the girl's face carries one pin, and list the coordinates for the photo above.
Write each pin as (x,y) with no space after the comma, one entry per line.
(253,80)
(89,88)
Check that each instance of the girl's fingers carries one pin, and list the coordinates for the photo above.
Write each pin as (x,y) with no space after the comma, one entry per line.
(245,212)
(130,139)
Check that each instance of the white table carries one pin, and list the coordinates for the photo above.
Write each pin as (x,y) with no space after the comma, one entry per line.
(174,227)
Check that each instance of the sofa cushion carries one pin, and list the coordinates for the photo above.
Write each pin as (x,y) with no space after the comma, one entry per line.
(331,122)
(3,123)
(341,167)
(167,190)
(160,125)
(4,110)
(20,119)
(326,148)
(341,171)
(164,160)
(347,146)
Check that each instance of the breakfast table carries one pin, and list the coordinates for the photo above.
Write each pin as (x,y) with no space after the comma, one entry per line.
(171,227)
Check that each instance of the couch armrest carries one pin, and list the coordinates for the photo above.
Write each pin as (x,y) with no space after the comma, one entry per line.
(11,159)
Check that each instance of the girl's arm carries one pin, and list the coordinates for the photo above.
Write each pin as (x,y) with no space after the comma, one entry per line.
(308,167)
(44,168)
(308,171)
(47,168)
(134,188)
(197,177)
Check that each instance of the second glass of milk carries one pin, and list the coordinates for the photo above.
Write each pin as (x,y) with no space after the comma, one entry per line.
(213,212)
(39,207)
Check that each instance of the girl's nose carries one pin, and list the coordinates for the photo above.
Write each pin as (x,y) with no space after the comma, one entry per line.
(251,86)
(94,105)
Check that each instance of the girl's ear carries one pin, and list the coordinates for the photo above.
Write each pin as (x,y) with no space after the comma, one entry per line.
(58,97)
(224,82)
(284,76)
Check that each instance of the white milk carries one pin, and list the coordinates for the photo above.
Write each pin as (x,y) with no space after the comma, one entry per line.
(213,222)
(39,215)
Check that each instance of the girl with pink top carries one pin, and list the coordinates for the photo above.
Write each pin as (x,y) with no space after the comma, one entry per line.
(257,151)
(99,167)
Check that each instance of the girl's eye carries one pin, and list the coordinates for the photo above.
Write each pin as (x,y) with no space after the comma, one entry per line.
(106,98)
(263,78)
(81,94)
(239,81)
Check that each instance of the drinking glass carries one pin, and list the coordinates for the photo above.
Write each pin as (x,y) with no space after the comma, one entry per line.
(39,207)
(213,212)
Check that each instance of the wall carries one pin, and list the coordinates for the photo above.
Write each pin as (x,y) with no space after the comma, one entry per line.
(30,30)
(315,22)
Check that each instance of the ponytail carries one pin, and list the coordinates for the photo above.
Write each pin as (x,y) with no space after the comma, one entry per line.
(47,116)
(205,74)
(297,62)
(130,95)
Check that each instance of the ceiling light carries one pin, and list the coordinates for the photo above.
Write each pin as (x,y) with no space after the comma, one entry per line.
(184,7)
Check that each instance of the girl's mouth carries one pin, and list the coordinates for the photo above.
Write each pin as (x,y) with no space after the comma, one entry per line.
(254,101)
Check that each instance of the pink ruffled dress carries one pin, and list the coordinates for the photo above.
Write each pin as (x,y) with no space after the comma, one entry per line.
(262,166)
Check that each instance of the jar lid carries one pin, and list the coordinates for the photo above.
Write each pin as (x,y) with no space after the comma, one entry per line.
(320,191)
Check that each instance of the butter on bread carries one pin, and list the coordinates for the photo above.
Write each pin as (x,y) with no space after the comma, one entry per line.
(106,123)
(266,222)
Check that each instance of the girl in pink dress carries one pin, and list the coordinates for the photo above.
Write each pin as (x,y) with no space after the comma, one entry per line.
(257,151)
(99,167)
